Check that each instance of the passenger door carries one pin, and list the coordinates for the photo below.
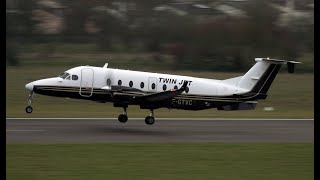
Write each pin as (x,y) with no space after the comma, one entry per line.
(152,84)
(86,82)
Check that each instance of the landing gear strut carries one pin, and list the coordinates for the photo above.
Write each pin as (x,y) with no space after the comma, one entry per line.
(150,119)
(29,109)
(123,117)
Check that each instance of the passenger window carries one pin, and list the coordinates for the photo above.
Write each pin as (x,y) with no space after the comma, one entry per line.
(130,83)
(153,86)
(119,82)
(142,85)
(74,77)
(164,87)
(175,87)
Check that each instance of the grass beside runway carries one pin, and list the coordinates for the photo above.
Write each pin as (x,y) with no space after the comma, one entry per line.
(161,161)
(291,95)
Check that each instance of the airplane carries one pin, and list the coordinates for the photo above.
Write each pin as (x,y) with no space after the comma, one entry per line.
(155,90)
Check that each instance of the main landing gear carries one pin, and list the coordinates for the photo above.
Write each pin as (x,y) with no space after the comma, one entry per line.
(29,109)
(124,118)
(150,119)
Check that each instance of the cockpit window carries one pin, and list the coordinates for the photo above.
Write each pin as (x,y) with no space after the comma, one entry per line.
(64,75)
(74,77)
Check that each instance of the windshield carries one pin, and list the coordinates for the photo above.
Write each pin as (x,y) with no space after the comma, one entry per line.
(64,75)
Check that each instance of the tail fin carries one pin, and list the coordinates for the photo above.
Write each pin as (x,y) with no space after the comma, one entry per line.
(260,77)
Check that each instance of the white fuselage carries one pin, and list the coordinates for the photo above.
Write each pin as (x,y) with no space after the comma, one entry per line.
(199,86)
(97,77)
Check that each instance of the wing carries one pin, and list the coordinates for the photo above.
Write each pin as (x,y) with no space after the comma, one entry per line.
(127,94)
(162,95)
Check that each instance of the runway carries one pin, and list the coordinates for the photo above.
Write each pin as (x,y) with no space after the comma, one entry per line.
(74,130)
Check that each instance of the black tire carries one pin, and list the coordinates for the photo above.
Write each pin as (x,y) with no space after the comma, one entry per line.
(123,118)
(29,109)
(149,120)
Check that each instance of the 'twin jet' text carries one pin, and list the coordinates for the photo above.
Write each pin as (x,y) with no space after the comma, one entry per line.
(172,81)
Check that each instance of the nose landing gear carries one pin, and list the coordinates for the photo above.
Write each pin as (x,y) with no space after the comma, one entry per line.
(29,109)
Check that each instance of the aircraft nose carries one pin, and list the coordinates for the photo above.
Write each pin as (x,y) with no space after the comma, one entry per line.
(29,86)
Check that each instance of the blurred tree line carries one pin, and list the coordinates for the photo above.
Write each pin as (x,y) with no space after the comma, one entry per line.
(221,43)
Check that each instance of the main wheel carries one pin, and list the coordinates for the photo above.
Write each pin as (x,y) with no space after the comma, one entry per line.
(123,118)
(29,109)
(149,120)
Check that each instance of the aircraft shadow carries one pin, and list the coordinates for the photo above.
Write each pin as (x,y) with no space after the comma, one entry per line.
(138,131)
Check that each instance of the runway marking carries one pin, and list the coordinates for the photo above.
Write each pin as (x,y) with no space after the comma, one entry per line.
(185,119)
(23,130)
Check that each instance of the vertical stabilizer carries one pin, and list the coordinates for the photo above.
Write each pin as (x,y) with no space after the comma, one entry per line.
(250,79)
(260,77)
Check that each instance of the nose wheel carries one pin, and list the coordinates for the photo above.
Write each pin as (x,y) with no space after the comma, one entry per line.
(123,117)
(29,109)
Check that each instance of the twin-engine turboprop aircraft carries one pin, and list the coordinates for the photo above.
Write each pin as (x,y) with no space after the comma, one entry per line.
(154,90)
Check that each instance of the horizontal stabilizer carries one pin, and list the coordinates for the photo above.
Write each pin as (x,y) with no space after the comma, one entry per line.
(290,64)
(274,61)
(291,67)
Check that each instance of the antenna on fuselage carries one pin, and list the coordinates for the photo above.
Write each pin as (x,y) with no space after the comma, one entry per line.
(105,65)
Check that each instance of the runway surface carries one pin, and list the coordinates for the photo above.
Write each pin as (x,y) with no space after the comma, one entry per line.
(136,131)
